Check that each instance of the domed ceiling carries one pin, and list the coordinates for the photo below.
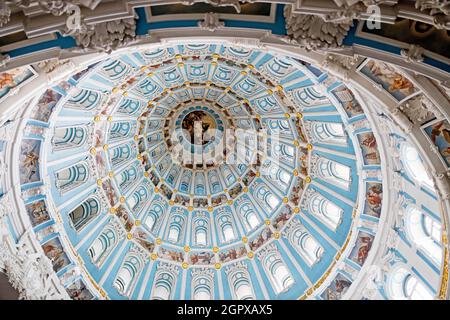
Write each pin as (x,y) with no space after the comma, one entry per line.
(200,171)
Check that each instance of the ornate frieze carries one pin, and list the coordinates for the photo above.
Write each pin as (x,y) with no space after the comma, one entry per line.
(313,32)
(339,65)
(30,272)
(106,36)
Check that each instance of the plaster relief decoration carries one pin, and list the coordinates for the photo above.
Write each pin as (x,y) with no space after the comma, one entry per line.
(397,85)
(313,32)
(107,36)
(14,79)
(439,134)
(419,109)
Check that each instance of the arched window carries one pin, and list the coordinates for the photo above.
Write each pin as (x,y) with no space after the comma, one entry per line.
(249,215)
(225,224)
(266,198)
(185,182)
(200,184)
(329,132)
(84,99)
(138,199)
(126,178)
(116,70)
(228,175)
(129,106)
(176,228)
(334,173)
(279,275)
(308,247)
(414,166)
(278,176)
(120,130)
(404,285)
(69,137)
(424,232)
(165,280)
(84,213)
(202,284)
(69,178)
(214,182)
(103,246)
(200,227)
(326,211)
(121,153)
(157,210)
(282,151)
(240,283)
(128,274)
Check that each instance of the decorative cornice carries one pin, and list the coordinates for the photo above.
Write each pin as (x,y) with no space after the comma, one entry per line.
(106,36)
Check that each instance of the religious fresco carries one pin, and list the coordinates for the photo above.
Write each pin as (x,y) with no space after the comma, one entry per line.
(362,247)
(282,217)
(38,212)
(201,258)
(44,108)
(439,134)
(218,200)
(232,254)
(200,203)
(111,194)
(53,249)
(397,85)
(408,31)
(337,288)
(141,237)
(369,148)
(15,78)
(100,160)
(347,99)
(99,133)
(170,254)
(29,161)
(122,214)
(297,190)
(261,239)
(78,291)
(374,199)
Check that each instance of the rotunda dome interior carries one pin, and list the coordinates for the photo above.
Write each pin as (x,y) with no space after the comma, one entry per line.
(230,158)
